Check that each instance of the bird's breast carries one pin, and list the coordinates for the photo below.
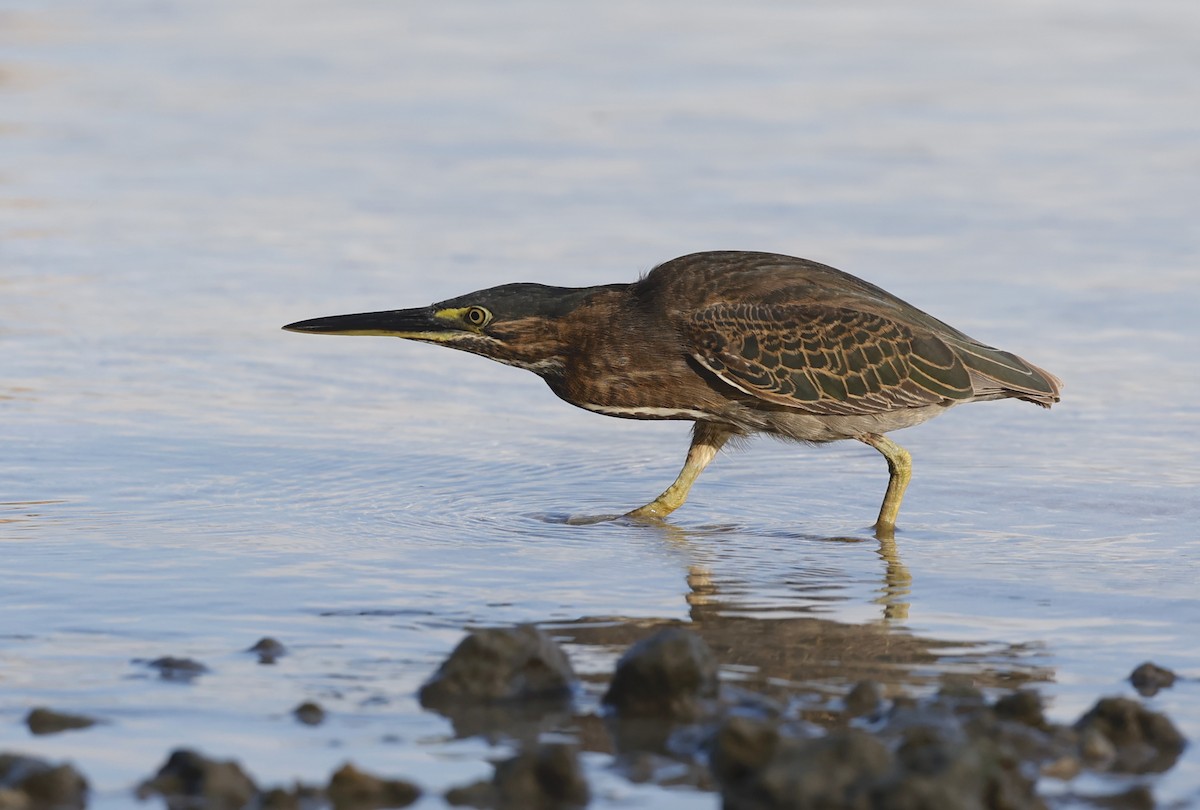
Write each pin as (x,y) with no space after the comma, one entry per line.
(621,384)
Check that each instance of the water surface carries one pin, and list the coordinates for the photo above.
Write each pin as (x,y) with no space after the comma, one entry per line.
(179,477)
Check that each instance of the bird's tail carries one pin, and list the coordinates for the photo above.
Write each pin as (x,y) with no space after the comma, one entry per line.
(997,374)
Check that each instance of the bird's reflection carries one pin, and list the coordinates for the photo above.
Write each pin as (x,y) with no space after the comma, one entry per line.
(793,642)
(894,588)
(897,582)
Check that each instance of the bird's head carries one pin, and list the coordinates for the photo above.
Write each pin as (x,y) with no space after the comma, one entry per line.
(516,324)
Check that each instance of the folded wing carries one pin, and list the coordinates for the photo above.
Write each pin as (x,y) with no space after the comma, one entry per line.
(827,360)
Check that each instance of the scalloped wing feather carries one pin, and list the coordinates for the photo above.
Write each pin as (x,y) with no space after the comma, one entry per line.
(827,360)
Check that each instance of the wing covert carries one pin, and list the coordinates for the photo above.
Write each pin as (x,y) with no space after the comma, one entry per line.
(826,360)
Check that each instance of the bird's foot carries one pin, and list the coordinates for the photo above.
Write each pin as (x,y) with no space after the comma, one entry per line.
(655,510)
(664,504)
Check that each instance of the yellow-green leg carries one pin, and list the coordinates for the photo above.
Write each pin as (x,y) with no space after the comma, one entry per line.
(900,468)
(707,440)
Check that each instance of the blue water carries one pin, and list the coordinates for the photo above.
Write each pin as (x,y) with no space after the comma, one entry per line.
(180,477)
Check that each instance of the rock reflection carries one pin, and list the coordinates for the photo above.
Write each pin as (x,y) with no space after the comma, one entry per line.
(783,656)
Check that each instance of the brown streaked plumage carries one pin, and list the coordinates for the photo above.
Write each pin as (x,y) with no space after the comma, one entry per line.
(737,342)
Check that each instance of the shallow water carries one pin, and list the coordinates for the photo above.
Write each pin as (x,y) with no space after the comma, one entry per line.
(179,477)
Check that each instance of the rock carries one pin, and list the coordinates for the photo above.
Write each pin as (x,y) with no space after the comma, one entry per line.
(1143,741)
(309,713)
(480,794)
(675,769)
(1040,747)
(1095,749)
(279,799)
(1023,707)
(1065,768)
(1137,797)
(545,777)
(866,698)
(189,778)
(47,721)
(177,669)
(941,768)
(352,789)
(922,755)
(836,771)
(299,797)
(670,675)
(500,664)
(29,782)
(742,746)
(929,749)
(1149,678)
(268,649)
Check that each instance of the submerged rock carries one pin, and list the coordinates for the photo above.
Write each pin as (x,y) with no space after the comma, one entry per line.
(500,664)
(29,782)
(48,721)
(545,777)
(352,789)
(866,698)
(668,675)
(177,669)
(961,693)
(1149,678)
(189,779)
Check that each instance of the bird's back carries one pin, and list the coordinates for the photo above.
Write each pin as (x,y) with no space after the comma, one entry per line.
(683,288)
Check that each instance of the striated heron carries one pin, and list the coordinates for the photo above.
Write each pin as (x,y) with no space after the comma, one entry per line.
(738,343)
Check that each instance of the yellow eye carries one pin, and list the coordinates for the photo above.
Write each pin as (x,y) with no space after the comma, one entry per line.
(477,316)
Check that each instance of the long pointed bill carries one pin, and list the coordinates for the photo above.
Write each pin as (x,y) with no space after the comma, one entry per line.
(415,324)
